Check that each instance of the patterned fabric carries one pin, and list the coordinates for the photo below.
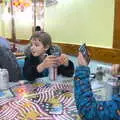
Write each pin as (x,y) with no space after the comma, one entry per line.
(21,108)
(88,107)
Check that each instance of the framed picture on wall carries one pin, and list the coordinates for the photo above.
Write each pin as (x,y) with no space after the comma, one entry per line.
(51,2)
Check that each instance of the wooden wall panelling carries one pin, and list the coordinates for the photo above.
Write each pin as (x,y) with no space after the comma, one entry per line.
(96,53)
(116,35)
(21,42)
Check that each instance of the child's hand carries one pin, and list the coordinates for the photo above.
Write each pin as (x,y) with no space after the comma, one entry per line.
(63,60)
(116,69)
(81,60)
(50,61)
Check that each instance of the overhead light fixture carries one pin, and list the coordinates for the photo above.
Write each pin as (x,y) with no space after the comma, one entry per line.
(50,2)
(21,4)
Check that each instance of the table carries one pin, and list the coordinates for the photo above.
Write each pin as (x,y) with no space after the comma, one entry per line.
(18,54)
(43,100)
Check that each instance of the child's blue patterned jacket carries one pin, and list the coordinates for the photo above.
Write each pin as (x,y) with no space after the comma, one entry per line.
(88,107)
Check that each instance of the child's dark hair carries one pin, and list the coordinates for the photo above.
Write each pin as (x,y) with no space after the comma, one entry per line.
(43,37)
(37,28)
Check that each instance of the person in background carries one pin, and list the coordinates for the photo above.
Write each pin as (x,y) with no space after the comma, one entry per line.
(37,63)
(4,42)
(27,51)
(38,29)
(8,61)
(88,107)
